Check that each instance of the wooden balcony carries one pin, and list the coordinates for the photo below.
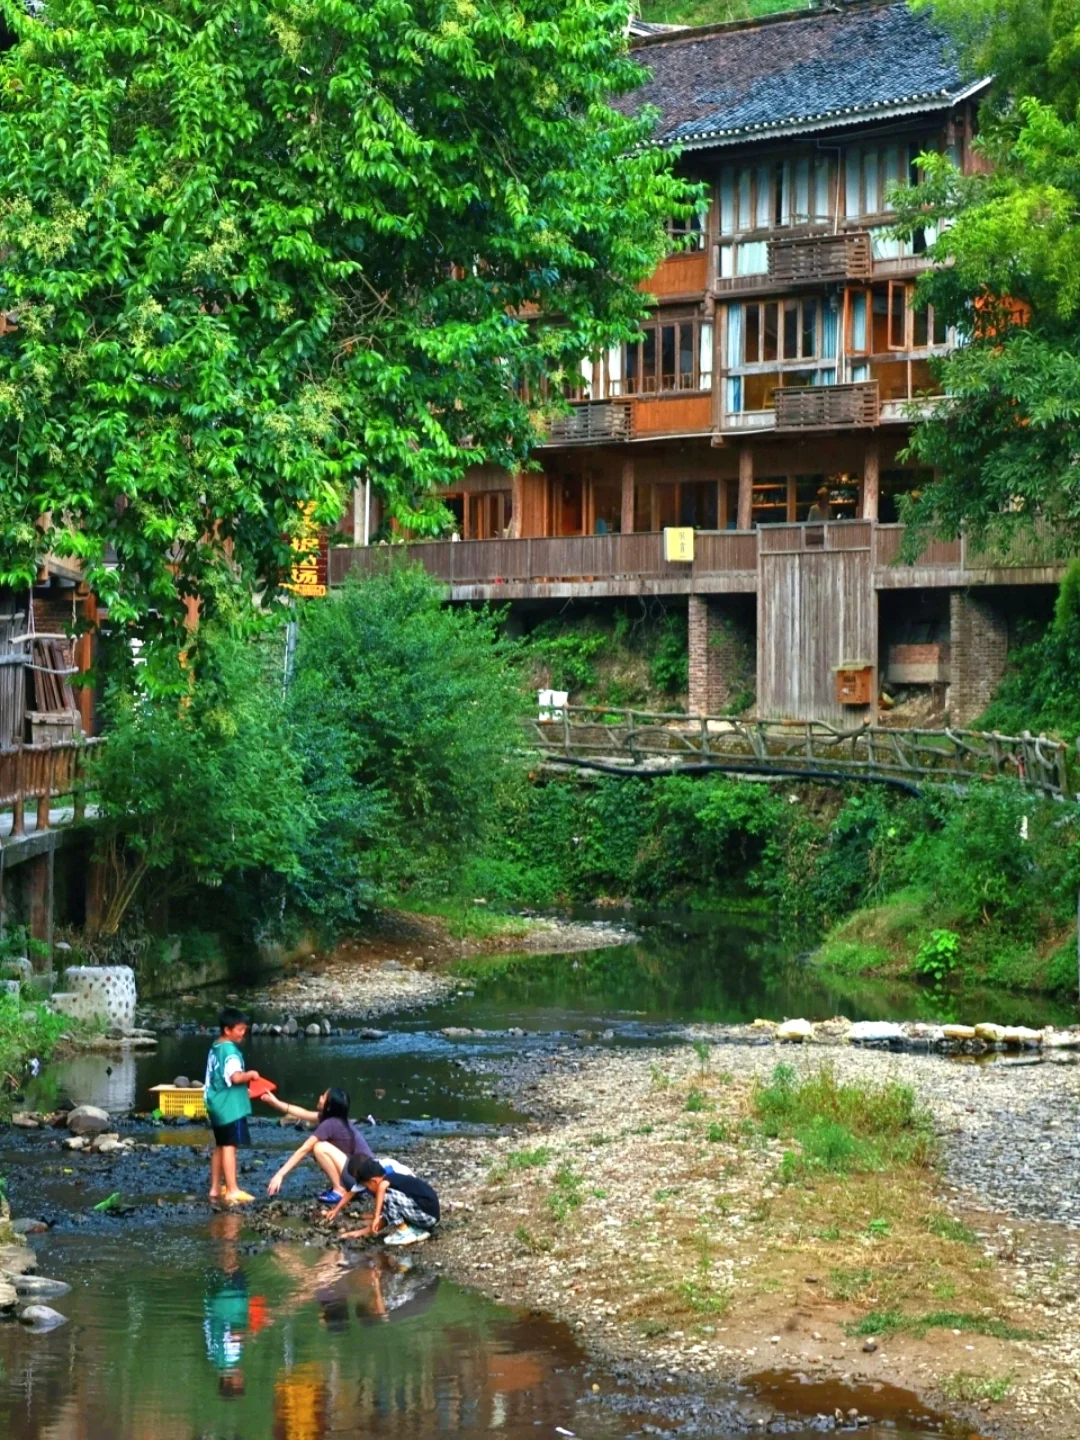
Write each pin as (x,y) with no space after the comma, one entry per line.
(820,257)
(595,422)
(828,407)
(724,560)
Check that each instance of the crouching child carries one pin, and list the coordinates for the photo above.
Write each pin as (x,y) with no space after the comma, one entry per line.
(406,1207)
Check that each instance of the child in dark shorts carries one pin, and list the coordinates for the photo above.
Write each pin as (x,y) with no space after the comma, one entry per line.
(228,1105)
(406,1207)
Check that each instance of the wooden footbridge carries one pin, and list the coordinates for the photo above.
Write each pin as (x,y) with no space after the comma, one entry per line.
(636,742)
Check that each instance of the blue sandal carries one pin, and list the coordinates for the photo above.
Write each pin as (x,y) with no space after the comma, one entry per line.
(330,1197)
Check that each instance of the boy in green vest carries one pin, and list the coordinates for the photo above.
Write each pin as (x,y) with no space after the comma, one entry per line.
(228,1105)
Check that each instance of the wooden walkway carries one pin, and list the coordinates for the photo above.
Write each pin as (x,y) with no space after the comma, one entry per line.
(636,742)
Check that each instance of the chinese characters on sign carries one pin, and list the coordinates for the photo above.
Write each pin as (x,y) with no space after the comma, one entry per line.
(308,573)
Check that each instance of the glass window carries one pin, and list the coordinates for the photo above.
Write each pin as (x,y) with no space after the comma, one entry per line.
(897,316)
(857,339)
(648,361)
(809,328)
(667,357)
(940,330)
(870,182)
(752,347)
(770,331)
(920,326)
(686,357)
(791,329)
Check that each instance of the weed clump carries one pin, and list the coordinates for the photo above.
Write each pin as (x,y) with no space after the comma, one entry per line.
(842,1127)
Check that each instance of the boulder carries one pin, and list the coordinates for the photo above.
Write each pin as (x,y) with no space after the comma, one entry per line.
(88,1120)
(1021,1035)
(759,1024)
(1061,1039)
(456,1032)
(368,1033)
(992,1034)
(795,1030)
(41,1317)
(26,1120)
(290,1027)
(16,1260)
(108,1145)
(327,1028)
(958,1032)
(313,1029)
(8,1297)
(37,1287)
(18,969)
(871,1032)
(74,1142)
(26,1225)
(10,987)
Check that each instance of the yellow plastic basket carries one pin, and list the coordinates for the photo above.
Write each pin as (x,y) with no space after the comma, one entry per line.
(171,1101)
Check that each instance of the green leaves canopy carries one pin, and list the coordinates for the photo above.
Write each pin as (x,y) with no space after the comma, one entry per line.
(258,248)
(1004,443)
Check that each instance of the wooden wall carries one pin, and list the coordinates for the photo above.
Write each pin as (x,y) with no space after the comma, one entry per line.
(817,609)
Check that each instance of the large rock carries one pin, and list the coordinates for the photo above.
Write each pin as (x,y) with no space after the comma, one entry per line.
(16,1260)
(1061,1039)
(88,1120)
(10,987)
(290,1027)
(41,1317)
(37,1287)
(313,1029)
(8,1296)
(795,1030)
(1021,1035)
(958,1032)
(992,1034)
(871,1032)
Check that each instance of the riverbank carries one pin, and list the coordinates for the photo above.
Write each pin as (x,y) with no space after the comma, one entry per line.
(401,963)
(647,1205)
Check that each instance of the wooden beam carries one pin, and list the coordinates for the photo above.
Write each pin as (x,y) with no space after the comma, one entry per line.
(871,480)
(626,521)
(746,486)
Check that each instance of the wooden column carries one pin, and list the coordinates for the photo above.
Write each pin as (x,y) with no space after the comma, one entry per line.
(626,522)
(746,486)
(871,480)
(41,884)
(517,504)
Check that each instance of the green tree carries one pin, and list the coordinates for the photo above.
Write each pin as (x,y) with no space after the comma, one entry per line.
(406,714)
(256,248)
(196,790)
(1003,442)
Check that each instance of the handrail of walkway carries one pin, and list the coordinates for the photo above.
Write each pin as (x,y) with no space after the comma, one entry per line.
(637,742)
(44,772)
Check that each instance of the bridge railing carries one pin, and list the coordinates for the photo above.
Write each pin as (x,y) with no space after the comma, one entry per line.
(45,773)
(637,741)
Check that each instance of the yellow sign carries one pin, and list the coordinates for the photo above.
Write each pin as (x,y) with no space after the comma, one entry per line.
(308,572)
(679,543)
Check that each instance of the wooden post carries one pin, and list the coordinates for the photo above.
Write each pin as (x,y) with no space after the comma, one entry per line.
(626,521)
(746,487)
(517,504)
(871,480)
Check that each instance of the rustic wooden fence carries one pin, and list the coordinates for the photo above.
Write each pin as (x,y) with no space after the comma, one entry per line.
(641,742)
(45,773)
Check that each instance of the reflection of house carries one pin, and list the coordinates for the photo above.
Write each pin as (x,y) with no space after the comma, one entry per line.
(783,356)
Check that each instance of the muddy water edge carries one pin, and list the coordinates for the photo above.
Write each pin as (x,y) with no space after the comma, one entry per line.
(557,1299)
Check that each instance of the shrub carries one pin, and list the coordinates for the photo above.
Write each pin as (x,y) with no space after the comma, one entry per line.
(938,955)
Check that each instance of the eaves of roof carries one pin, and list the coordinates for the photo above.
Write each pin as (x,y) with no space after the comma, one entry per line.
(699,139)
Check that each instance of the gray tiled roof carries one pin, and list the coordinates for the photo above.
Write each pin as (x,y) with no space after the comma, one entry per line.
(814,69)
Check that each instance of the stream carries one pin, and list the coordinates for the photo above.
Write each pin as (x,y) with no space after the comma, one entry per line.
(182,1323)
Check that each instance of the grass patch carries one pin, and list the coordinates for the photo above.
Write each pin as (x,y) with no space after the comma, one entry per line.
(462,919)
(533,1244)
(566,1194)
(528,1159)
(842,1128)
(696,1102)
(718,1133)
(971,1388)
(884,1323)
(845,1284)
(945,1227)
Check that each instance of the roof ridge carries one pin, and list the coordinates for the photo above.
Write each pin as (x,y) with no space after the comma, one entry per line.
(684,33)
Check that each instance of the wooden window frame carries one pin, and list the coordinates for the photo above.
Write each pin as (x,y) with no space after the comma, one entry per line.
(659,387)
(799,303)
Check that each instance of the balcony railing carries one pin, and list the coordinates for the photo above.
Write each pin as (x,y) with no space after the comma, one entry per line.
(593,422)
(559,559)
(821,257)
(824,407)
(44,773)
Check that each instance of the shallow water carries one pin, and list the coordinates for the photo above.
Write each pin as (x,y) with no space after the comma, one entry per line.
(180,1328)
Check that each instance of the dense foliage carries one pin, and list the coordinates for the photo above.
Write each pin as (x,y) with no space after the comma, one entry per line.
(196,790)
(611,658)
(997,866)
(253,249)
(405,712)
(1003,444)
(1039,691)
